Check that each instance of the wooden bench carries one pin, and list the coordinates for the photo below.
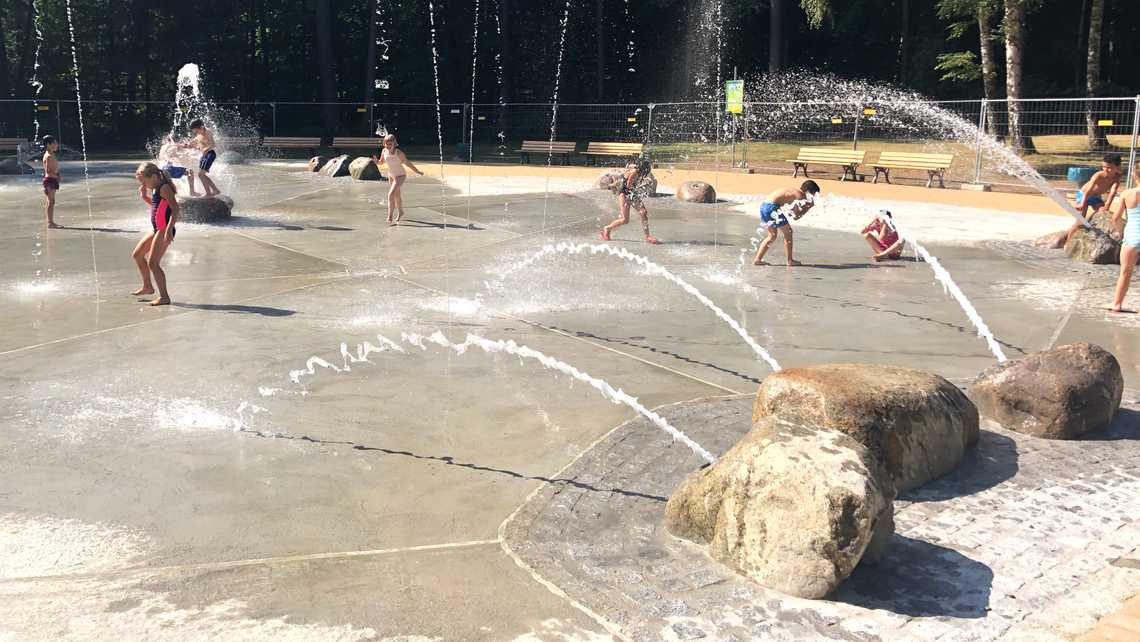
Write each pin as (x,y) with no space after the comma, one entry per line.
(848,159)
(618,150)
(559,148)
(356,142)
(310,143)
(11,144)
(935,165)
(242,142)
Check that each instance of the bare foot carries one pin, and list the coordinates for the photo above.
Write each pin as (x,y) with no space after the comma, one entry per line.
(142,291)
(760,262)
(160,301)
(605,234)
(55,226)
(794,263)
(875,258)
(652,240)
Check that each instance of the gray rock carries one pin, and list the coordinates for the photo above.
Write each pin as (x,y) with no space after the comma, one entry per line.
(230,157)
(1056,394)
(206,209)
(696,192)
(364,169)
(918,424)
(611,179)
(317,163)
(1100,245)
(336,166)
(1052,241)
(791,507)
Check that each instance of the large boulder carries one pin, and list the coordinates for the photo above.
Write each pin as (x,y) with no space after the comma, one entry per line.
(790,506)
(1060,393)
(364,169)
(316,163)
(918,424)
(1099,245)
(231,157)
(337,166)
(1052,240)
(206,209)
(611,179)
(696,192)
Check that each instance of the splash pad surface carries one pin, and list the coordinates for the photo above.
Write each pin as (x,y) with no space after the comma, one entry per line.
(369,502)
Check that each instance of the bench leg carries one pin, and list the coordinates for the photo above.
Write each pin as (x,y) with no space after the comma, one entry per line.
(941,183)
(848,170)
(885,172)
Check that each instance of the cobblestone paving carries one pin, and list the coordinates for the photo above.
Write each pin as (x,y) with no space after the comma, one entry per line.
(1028,540)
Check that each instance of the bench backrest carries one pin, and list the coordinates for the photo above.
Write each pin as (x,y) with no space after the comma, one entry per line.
(11,143)
(244,141)
(356,141)
(617,149)
(557,147)
(831,155)
(296,141)
(921,161)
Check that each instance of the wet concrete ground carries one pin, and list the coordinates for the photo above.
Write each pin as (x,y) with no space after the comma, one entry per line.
(163,478)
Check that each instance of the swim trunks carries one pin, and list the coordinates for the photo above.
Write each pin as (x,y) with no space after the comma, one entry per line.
(160,213)
(1094,201)
(174,170)
(772,217)
(50,183)
(207,160)
(1132,228)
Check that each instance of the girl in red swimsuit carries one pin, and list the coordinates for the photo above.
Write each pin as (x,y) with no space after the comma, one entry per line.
(157,190)
(883,239)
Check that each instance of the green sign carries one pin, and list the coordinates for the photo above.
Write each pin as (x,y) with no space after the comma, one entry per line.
(734,96)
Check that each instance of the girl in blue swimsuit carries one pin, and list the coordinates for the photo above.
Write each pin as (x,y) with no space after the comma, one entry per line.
(1128,204)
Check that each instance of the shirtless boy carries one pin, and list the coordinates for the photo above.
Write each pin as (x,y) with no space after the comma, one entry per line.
(203,141)
(1106,181)
(51,179)
(774,214)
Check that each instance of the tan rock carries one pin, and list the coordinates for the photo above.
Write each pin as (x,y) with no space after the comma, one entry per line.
(364,169)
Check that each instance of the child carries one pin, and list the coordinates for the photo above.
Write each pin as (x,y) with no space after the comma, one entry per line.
(883,239)
(772,214)
(203,141)
(156,190)
(51,179)
(176,172)
(1106,181)
(394,159)
(1130,245)
(630,192)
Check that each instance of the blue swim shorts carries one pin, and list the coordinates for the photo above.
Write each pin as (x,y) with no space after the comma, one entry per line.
(174,170)
(772,217)
(1094,201)
(207,160)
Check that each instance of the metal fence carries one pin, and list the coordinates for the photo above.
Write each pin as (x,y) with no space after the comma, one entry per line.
(1055,134)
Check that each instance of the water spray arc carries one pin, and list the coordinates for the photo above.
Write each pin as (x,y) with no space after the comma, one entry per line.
(83,144)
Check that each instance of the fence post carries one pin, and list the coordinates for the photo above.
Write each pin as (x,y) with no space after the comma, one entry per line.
(1135,135)
(273,106)
(649,125)
(858,116)
(59,123)
(978,142)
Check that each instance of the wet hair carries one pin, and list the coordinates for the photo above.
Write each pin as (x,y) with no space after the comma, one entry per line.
(197,124)
(1112,159)
(809,187)
(886,213)
(391,137)
(150,170)
(47,140)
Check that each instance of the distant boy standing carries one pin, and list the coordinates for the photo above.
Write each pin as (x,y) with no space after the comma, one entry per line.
(775,218)
(51,179)
(203,141)
(1106,181)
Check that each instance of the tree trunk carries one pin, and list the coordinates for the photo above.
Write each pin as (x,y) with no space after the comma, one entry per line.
(1082,45)
(1097,139)
(251,52)
(1014,50)
(5,88)
(27,50)
(776,37)
(904,43)
(600,39)
(325,64)
(989,62)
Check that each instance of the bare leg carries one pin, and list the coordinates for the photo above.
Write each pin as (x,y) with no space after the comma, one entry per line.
(49,208)
(764,245)
(622,219)
(787,230)
(1127,266)
(139,255)
(399,196)
(644,214)
(873,241)
(190,179)
(393,188)
(157,249)
(208,184)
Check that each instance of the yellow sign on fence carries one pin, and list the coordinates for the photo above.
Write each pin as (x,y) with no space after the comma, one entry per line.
(870,111)
(631,119)
(1105,123)
(43,107)
(361,110)
(836,120)
(734,96)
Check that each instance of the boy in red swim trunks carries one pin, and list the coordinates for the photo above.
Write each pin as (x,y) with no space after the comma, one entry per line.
(883,239)
(51,179)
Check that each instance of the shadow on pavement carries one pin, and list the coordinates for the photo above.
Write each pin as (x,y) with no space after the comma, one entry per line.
(242,309)
(989,463)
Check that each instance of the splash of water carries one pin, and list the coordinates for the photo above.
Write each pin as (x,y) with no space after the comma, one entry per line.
(83,145)
(439,136)
(471,129)
(499,79)
(570,248)
(616,395)
(359,355)
(34,81)
(554,108)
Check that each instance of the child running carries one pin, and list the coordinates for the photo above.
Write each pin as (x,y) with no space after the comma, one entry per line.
(1106,181)
(393,158)
(157,190)
(51,179)
(883,239)
(772,214)
(1130,245)
(630,192)
(203,141)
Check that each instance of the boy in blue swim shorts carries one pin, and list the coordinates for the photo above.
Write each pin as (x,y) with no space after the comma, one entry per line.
(774,213)
(1093,193)
(181,172)
(203,141)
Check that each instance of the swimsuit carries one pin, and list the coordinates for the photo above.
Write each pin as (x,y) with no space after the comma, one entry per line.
(50,183)
(632,193)
(207,160)
(1094,201)
(160,212)
(1132,227)
(395,167)
(772,217)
